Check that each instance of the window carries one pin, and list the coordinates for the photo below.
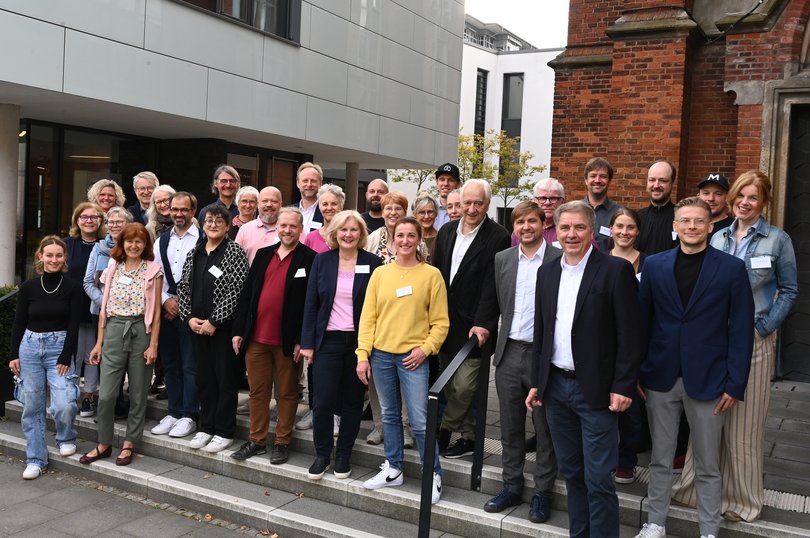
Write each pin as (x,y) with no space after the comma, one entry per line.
(469,35)
(512,111)
(481,101)
(277,17)
(486,41)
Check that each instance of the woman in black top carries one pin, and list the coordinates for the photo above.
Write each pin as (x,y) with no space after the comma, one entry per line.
(86,229)
(43,338)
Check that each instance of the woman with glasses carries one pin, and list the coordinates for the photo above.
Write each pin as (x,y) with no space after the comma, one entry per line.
(87,228)
(158,215)
(425,209)
(247,200)
(208,293)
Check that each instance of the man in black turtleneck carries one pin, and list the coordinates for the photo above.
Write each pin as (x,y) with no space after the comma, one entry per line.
(656,233)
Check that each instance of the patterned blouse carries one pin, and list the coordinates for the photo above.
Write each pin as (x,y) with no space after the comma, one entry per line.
(127,292)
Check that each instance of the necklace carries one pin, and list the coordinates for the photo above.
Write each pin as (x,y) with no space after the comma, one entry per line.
(88,243)
(131,272)
(42,283)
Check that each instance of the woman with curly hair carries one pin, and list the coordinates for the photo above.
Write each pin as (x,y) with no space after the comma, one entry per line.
(106,193)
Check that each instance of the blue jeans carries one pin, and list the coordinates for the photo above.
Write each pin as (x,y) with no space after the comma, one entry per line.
(179,368)
(586,442)
(38,355)
(389,375)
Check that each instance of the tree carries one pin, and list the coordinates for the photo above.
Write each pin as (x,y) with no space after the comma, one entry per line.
(421,176)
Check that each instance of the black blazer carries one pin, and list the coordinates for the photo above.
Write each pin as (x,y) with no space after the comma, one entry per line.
(321,294)
(471,298)
(295,291)
(607,337)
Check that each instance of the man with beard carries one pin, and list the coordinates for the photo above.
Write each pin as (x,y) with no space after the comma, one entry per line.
(225,185)
(448,179)
(376,189)
(598,175)
(713,189)
(261,232)
(309,180)
(656,233)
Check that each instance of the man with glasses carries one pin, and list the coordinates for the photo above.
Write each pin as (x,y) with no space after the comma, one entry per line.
(698,311)
(549,194)
(176,354)
(144,185)
(261,232)
(226,183)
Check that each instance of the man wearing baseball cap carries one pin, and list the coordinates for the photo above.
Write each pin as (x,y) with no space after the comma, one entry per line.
(448,179)
(713,190)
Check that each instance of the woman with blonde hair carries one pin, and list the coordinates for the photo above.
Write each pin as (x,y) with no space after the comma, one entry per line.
(159,218)
(106,193)
(330,202)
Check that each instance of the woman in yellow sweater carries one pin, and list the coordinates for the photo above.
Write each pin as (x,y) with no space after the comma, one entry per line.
(404,320)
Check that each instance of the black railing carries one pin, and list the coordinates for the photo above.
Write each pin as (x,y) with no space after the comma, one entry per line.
(432,420)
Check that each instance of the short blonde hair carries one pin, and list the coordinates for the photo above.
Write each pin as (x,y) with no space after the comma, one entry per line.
(339,220)
(96,188)
(314,166)
(395,198)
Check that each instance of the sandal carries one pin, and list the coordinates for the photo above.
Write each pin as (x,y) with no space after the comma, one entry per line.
(122,460)
(90,458)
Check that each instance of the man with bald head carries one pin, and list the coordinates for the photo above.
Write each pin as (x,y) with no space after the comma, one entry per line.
(261,232)
(656,233)
(376,189)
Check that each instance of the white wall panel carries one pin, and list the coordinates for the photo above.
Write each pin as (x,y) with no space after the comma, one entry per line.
(448,82)
(306,24)
(408,66)
(379,95)
(305,71)
(341,126)
(406,141)
(331,35)
(21,53)
(386,18)
(341,8)
(446,148)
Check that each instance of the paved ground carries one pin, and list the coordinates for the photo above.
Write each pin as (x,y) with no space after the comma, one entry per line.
(58,504)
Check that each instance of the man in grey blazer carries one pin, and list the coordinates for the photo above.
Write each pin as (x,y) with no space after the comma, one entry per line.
(515,283)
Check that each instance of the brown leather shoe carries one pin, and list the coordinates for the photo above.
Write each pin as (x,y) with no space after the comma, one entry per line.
(125,460)
(90,458)
(732,516)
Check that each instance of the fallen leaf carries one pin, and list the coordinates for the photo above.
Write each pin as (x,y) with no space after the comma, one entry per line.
(208,517)
(300,494)
(206,476)
(267,492)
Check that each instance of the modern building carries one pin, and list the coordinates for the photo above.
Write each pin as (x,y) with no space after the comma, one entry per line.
(102,88)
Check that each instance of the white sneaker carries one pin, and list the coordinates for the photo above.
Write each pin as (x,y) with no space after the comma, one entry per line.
(437,489)
(217,444)
(336,428)
(184,426)
(164,426)
(375,436)
(705,536)
(305,422)
(387,477)
(32,471)
(67,449)
(651,530)
(200,440)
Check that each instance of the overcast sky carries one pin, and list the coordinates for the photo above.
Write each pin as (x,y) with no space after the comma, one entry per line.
(543,23)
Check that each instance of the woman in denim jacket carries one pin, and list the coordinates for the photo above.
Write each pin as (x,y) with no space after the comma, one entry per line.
(771,263)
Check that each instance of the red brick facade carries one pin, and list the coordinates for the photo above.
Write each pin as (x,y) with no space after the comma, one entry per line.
(640,80)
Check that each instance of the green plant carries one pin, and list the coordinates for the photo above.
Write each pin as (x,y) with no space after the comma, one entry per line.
(7,310)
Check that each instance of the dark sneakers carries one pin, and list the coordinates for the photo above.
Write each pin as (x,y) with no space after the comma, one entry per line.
(342,467)
(503,500)
(443,439)
(279,454)
(318,467)
(248,450)
(540,509)
(461,448)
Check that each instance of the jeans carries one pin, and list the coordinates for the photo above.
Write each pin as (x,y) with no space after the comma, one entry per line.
(38,355)
(179,368)
(389,376)
(586,442)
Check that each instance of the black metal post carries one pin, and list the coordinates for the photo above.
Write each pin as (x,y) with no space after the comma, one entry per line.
(481,395)
(425,505)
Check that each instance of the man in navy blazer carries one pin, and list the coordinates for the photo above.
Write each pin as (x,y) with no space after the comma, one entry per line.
(588,344)
(699,314)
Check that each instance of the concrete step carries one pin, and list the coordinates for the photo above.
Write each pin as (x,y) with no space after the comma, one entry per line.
(459,511)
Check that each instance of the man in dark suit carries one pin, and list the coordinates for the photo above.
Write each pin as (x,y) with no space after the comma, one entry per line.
(588,344)
(465,254)
(268,323)
(698,307)
(515,284)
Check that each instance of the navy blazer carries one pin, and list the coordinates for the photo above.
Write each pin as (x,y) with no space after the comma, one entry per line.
(606,337)
(295,289)
(710,341)
(321,294)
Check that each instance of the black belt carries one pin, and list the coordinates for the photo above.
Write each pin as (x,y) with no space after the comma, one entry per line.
(570,374)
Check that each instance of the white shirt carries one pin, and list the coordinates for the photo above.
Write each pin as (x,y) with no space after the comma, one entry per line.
(176,251)
(562,355)
(463,243)
(309,214)
(523,315)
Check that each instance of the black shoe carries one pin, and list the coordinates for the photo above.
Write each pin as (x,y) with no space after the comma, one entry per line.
(540,509)
(443,439)
(248,450)
(318,467)
(461,448)
(279,454)
(88,409)
(503,500)
(531,444)
(342,467)
(157,384)
(162,394)
(366,413)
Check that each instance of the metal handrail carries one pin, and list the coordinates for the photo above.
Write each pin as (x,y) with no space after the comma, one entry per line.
(430,430)
(9,295)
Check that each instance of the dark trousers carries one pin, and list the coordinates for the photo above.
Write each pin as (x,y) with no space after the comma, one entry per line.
(586,442)
(217,382)
(179,368)
(336,390)
(631,424)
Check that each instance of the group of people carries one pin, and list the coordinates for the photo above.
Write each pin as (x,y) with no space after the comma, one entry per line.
(594,313)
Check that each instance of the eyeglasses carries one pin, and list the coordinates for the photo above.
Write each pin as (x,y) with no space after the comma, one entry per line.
(145,189)
(699,223)
(214,222)
(181,210)
(115,223)
(228,180)
(426,213)
(89,218)
(167,201)
(547,199)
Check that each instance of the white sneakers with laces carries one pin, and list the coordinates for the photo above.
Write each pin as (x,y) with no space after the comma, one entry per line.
(387,477)
(67,449)
(32,471)
(651,530)
(164,426)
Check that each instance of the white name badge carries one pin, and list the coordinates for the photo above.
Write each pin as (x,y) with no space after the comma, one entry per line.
(761,262)
(674,235)
(362,269)
(556,244)
(126,281)
(301,273)
(216,271)
(316,225)
(403,292)
(604,230)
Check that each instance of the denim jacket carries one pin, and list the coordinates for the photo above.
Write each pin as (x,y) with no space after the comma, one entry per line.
(775,288)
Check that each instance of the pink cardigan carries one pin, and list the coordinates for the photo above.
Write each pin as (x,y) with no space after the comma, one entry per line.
(152,270)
